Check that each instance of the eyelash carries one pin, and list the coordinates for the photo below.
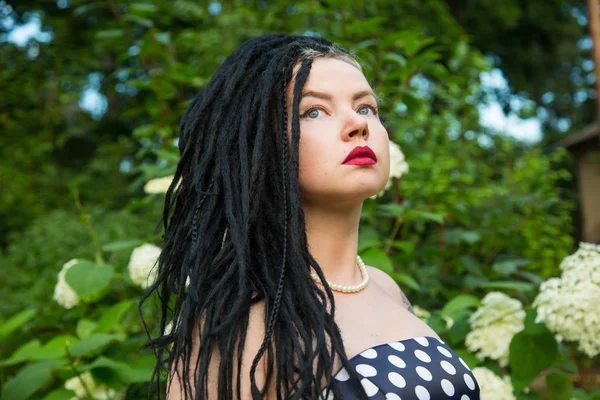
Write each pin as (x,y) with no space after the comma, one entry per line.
(373,108)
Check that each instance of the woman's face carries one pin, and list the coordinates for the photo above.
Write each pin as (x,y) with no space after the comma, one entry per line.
(338,112)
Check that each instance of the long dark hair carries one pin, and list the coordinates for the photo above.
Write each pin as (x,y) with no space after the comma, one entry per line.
(235,232)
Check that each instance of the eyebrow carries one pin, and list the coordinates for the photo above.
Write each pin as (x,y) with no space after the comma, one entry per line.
(327,96)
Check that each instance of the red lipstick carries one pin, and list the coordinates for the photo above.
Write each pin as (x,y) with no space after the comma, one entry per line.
(361,156)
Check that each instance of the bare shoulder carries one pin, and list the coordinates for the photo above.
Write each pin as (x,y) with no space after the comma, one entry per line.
(389,285)
(254,338)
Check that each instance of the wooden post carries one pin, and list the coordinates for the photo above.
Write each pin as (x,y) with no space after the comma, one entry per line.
(594,25)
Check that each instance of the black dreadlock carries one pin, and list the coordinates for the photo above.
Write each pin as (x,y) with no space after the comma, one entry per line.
(236,181)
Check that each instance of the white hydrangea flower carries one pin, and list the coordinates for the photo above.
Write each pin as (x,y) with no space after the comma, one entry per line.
(449,321)
(398,166)
(492,386)
(169,328)
(158,185)
(63,293)
(141,265)
(493,326)
(421,313)
(569,304)
(98,392)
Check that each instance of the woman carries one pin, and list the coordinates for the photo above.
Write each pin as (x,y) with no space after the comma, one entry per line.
(278,153)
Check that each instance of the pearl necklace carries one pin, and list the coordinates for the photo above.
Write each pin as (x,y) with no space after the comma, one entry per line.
(348,288)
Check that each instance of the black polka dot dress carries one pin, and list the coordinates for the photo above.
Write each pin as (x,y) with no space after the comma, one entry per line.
(420,368)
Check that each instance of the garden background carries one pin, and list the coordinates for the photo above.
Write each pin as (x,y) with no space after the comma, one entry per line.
(476,231)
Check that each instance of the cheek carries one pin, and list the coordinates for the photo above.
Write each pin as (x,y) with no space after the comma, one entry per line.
(316,154)
(309,147)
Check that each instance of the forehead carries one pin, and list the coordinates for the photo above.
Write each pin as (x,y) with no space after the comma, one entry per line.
(336,77)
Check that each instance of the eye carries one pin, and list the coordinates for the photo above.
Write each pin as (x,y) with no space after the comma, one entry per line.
(368,108)
(312,113)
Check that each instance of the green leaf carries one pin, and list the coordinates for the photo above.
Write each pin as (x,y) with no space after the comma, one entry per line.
(55,348)
(88,279)
(471,237)
(142,8)
(134,372)
(453,236)
(405,279)
(529,354)
(111,317)
(530,325)
(145,22)
(471,264)
(530,276)
(411,42)
(389,210)
(426,215)
(368,237)
(163,37)
(459,307)
(509,285)
(30,379)
(377,258)
(397,58)
(122,245)
(24,353)
(458,332)
(531,395)
(470,359)
(559,386)
(509,267)
(85,328)
(94,344)
(405,246)
(110,34)
(59,394)
(16,321)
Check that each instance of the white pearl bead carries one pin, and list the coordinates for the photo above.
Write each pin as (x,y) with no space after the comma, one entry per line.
(348,288)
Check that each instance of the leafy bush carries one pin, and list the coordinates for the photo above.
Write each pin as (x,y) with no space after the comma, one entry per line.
(477,216)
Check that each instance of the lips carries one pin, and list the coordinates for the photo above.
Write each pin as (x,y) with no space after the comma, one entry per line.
(361,156)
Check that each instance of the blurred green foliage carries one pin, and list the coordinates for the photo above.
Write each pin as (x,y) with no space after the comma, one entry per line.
(478,211)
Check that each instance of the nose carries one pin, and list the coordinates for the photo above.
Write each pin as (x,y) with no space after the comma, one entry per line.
(355,127)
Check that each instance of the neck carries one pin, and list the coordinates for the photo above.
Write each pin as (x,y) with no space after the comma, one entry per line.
(332,235)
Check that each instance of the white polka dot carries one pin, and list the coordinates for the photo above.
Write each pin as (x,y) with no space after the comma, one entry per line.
(397,346)
(370,388)
(422,341)
(469,381)
(396,361)
(424,373)
(421,355)
(464,363)
(328,397)
(422,393)
(366,370)
(370,353)
(342,376)
(392,396)
(465,397)
(397,379)
(449,368)
(448,387)
(444,351)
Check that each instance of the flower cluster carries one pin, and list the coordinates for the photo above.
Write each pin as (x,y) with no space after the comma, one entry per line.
(493,387)
(569,304)
(493,326)
(421,313)
(141,266)
(158,185)
(63,293)
(84,385)
(398,166)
